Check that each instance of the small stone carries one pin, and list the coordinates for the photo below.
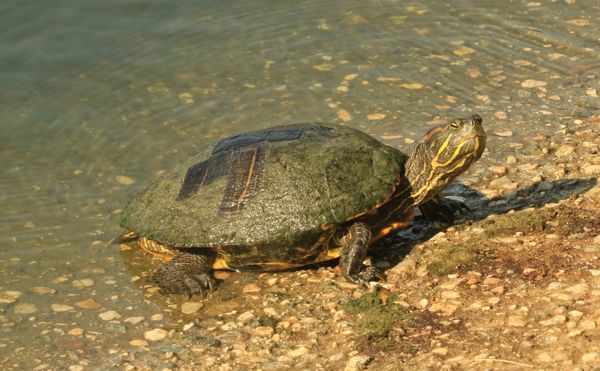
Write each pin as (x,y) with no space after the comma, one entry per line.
(265,331)
(591,169)
(246,316)
(43,290)
(501,115)
(556,320)
(323,67)
(251,288)
(337,357)
(109,315)
(221,275)
(75,368)
(579,289)
(88,304)
(156,334)
(450,294)
(138,343)
(25,308)
(533,83)
(376,116)
(444,309)
(575,315)
(504,133)
(590,357)
(464,51)
(342,89)
(75,331)
(511,160)
(157,317)
(86,282)
(124,180)
(344,115)
(61,308)
(358,363)
(565,150)
(587,324)
(544,357)
(499,290)
(441,351)
(9,297)
(190,307)
(412,86)
(350,77)
(498,170)
(503,183)
(134,320)
(592,92)
(298,352)
(516,321)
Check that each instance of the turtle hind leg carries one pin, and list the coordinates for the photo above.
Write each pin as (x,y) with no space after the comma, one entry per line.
(354,249)
(186,273)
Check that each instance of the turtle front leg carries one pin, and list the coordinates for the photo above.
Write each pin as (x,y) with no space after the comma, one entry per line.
(186,273)
(355,244)
(442,209)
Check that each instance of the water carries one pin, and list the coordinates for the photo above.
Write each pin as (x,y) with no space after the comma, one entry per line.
(91,91)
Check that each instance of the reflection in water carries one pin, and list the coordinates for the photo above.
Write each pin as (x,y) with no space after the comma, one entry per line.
(99,97)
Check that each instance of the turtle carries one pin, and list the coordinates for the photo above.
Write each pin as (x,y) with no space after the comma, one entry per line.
(290,196)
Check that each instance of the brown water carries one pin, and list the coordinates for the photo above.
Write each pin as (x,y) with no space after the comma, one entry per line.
(91,92)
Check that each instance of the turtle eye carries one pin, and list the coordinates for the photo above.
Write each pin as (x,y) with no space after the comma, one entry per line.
(455,124)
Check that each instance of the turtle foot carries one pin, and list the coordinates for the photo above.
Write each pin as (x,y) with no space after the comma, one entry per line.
(186,274)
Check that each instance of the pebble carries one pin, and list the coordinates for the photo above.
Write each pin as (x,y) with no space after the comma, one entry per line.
(124,180)
(75,331)
(464,51)
(440,350)
(587,324)
(565,150)
(156,334)
(190,307)
(590,357)
(376,116)
(444,309)
(298,352)
(251,288)
(412,86)
(344,115)
(511,160)
(138,343)
(134,320)
(504,133)
(43,290)
(556,320)
(246,316)
(591,169)
(61,308)
(450,294)
(88,304)
(501,115)
(516,321)
(25,308)
(266,331)
(86,282)
(9,297)
(358,363)
(533,83)
(157,317)
(109,315)
(503,183)
(498,170)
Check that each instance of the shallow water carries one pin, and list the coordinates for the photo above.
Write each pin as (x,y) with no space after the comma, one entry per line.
(99,97)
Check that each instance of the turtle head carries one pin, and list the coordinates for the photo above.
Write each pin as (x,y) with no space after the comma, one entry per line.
(442,154)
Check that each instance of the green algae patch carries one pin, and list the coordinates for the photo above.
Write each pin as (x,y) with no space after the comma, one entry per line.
(455,256)
(375,313)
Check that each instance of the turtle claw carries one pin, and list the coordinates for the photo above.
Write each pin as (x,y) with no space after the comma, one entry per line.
(368,275)
(185,274)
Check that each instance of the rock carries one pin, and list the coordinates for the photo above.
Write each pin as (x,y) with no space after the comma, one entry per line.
(88,304)
(587,324)
(61,308)
(504,133)
(516,321)
(266,331)
(246,316)
(298,352)
(25,308)
(544,357)
(251,288)
(336,357)
(344,115)
(134,320)
(491,281)
(450,294)
(157,317)
(533,83)
(511,160)
(498,290)
(109,315)
(503,183)
(155,335)
(498,170)
(358,363)
(464,51)
(86,282)
(44,290)
(575,315)
(440,350)
(591,169)
(76,331)
(138,342)
(556,320)
(190,307)
(590,357)
(578,289)
(406,268)
(444,309)
(412,86)
(124,180)
(565,150)
(376,116)
(9,297)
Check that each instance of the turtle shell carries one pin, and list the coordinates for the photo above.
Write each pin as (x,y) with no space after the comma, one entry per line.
(279,187)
